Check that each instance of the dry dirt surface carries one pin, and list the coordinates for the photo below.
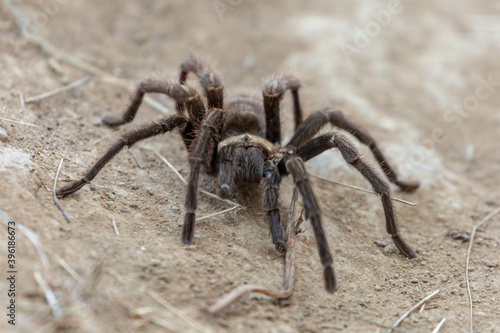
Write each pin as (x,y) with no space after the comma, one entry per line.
(422,77)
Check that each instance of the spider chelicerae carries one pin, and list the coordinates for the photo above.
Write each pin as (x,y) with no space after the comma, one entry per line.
(239,141)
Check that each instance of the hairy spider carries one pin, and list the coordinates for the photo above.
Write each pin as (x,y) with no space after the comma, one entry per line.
(240,140)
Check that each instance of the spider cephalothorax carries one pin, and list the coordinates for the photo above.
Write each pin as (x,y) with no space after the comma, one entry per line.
(239,140)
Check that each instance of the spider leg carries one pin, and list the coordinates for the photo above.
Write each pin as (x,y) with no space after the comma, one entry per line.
(225,180)
(209,80)
(202,153)
(379,185)
(273,93)
(212,85)
(317,120)
(270,204)
(161,126)
(295,165)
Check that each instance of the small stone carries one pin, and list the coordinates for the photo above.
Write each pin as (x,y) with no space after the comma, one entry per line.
(491,263)
(269,257)
(378,288)
(414,280)
(143,248)
(175,207)
(134,186)
(3,135)
(445,278)
(96,121)
(249,268)
(380,243)
(389,249)
(111,196)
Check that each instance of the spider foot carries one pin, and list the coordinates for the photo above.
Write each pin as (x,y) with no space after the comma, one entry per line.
(330,280)
(188,228)
(68,189)
(111,120)
(280,246)
(407,185)
(404,248)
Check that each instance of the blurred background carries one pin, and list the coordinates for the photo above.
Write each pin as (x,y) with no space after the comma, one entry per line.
(421,77)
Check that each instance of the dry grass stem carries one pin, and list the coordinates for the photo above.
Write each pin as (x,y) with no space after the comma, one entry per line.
(206,217)
(139,165)
(361,189)
(114,227)
(471,241)
(31,33)
(289,280)
(17,122)
(438,327)
(177,312)
(58,90)
(416,306)
(21,99)
(49,295)
(55,196)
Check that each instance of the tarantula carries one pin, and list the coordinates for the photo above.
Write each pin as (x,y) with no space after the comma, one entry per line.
(239,140)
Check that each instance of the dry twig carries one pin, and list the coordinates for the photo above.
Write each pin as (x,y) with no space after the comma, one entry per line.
(206,217)
(58,90)
(17,122)
(361,189)
(416,306)
(438,327)
(471,241)
(114,227)
(55,196)
(289,270)
(49,295)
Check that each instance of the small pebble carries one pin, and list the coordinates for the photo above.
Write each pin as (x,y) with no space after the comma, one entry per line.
(269,258)
(378,288)
(134,186)
(414,280)
(389,249)
(249,267)
(175,208)
(380,243)
(3,135)
(491,263)
(445,278)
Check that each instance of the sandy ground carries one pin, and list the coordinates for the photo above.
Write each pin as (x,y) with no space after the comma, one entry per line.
(404,79)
